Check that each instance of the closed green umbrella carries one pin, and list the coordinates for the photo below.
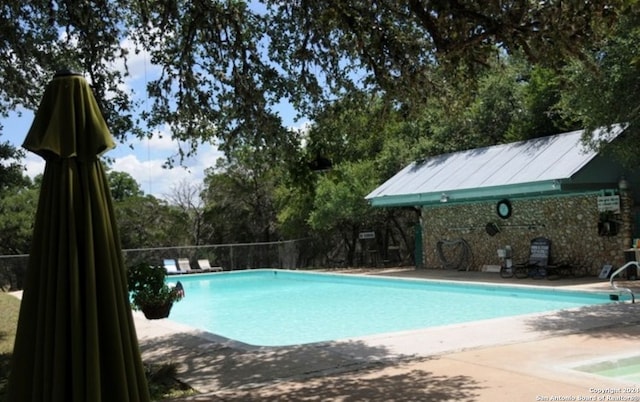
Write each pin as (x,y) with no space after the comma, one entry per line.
(76,340)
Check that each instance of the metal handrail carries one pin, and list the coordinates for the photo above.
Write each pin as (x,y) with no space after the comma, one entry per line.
(616,272)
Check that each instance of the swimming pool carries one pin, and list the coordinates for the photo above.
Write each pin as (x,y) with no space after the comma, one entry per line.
(623,369)
(277,307)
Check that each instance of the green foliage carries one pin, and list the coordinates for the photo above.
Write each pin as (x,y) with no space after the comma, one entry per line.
(123,186)
(17,213)
(239,197)
(340,201)
(149,222)
(41,38)
(144,220)
(397,44)
(511,100)
(385,83)
(339,206)
(604,90)
(11,168)
(222,67)
(540,114)
(148,288)
(294,203)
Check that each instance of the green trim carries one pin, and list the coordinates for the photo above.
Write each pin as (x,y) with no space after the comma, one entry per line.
(469,197)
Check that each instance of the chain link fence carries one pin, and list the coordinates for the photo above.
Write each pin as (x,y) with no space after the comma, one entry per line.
(289,254)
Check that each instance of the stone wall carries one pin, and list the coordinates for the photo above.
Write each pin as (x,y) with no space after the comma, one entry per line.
(570,222)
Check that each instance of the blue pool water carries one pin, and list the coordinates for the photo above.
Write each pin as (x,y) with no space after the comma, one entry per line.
(275,307)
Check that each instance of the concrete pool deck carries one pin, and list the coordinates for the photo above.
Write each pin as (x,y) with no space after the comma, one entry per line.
(525,358)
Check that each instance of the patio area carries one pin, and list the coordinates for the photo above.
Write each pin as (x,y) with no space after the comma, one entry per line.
(518,358)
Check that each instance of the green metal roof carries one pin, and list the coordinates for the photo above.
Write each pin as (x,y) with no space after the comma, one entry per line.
(543,166)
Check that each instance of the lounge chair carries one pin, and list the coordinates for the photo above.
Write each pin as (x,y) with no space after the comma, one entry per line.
(538,264)
(206,266)
(185,266)
(170,267)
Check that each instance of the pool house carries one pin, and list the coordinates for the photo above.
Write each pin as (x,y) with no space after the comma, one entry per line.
(490,198)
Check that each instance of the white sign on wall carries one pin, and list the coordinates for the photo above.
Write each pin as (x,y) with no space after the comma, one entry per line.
(609,203)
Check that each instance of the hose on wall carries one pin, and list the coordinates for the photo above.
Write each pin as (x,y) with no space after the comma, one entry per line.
(454,254)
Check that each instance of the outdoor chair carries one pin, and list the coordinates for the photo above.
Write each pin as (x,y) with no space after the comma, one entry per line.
(185,266)
(206,266)
(170,266)
(537,266)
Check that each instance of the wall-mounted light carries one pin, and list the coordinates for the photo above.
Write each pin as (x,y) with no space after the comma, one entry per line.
(623,184)
(444,197)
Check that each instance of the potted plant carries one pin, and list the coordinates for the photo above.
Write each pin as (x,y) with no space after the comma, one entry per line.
(150,293)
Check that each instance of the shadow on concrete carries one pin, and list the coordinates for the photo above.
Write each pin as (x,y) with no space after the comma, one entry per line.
(621,318)
(415,385)
(205,364)
(348,371)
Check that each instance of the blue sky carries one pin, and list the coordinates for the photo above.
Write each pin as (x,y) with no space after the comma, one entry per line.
(143,162)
